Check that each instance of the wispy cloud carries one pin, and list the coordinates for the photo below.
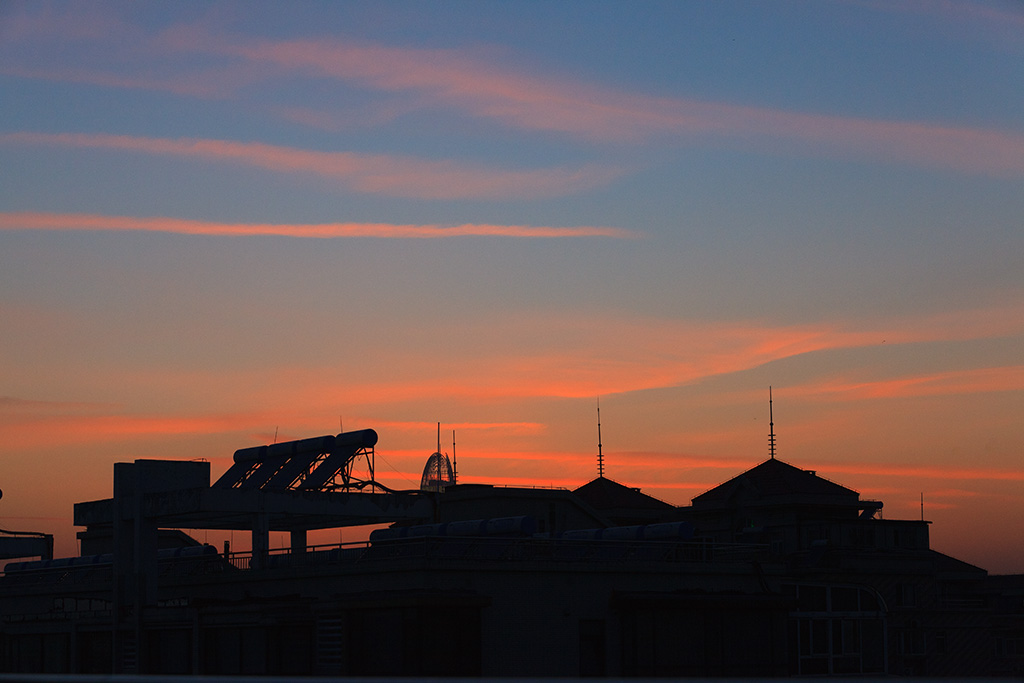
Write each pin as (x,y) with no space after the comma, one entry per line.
(972,381)
(220,83)
(24,432)
(536,356)
(13,404)
(951,472)
(507,358)
(1000,24)
(65,221)
(554,480)
(37,22)
(448,78)
(374,174)
(511,357)
(109,51)
(531,428)
(468,84)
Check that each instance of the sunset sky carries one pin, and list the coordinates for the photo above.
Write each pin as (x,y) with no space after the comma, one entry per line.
(223,221)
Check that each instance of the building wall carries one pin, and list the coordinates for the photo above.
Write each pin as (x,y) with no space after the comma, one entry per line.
(404,616)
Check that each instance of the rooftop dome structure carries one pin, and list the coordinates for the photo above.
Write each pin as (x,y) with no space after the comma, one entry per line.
(437,474)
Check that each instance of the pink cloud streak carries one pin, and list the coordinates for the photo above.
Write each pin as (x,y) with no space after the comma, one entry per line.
(460,80)
(373,174)
(449,78)
(211,85)
(61,221)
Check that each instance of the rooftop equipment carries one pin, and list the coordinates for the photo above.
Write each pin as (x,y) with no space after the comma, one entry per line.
(323,463)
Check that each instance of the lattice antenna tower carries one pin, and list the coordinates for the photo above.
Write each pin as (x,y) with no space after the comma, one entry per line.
(771,426)
(600,455)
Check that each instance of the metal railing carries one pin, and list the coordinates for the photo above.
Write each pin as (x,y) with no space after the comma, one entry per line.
(444,549)
(502,549)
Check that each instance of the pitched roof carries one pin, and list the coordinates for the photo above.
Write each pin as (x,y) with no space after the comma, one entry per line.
(775,478)
(604,494)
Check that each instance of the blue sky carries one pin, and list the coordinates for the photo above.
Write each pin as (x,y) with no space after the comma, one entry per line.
(223,221)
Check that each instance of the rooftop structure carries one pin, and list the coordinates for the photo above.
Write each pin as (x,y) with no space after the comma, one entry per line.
(622,504)
(775,572)
(14,544)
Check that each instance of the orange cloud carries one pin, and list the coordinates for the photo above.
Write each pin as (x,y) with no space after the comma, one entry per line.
(954,493)
(925,471)
(570,471)
(631,460)
(555,482)
(535,356)
(374,174)
(32,424)
(531,428)
(582,357)
(973,381)
(14,405)
(555,458)
(542,467)
(35,431)
(71,221)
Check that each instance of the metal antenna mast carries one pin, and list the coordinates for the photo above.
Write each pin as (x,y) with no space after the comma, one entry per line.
(771,426)
(600,455)
(455,462)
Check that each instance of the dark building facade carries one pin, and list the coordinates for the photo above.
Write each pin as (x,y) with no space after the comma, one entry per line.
(776,572)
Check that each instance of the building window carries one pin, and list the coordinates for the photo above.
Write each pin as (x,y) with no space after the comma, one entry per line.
(1009,647)
(911,641)
(813,599)
(906,594)
(862,538)
(836,630)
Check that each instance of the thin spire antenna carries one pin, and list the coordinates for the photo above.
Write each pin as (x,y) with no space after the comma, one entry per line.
(600,455)
(438,437)
(455,462)
(771,426)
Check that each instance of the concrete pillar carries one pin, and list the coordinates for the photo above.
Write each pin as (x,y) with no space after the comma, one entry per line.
(298,541)
(260,540)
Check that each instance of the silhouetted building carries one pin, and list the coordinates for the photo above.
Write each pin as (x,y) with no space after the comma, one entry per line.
(622,505)
(776,572)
